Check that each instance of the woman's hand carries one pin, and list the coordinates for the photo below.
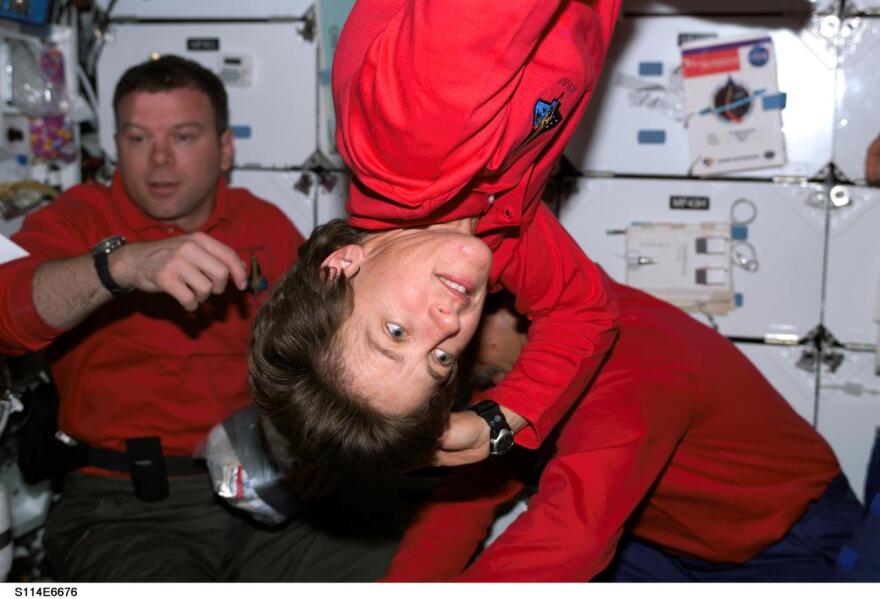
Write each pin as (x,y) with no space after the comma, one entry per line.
(465,441)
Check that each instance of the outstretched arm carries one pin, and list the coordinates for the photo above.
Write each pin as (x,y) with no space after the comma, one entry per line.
(56,286)
(189,267)
(447,532)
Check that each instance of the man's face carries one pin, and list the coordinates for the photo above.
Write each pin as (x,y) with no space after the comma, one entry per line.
(500,339)
(418,295)
(170,155)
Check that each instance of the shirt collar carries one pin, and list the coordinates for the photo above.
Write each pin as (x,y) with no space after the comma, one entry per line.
(138,220)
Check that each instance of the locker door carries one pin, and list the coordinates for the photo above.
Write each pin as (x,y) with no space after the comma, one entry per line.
(785,235)
(292,191)
(270,74)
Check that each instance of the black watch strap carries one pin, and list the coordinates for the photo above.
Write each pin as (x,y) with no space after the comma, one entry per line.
(103,267)
(500,433)
(101,255)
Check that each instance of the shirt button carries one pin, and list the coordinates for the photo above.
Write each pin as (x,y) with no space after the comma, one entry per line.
(491,199)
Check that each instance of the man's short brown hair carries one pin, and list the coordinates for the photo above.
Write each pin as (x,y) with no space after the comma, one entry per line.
(299,380)
(171,72)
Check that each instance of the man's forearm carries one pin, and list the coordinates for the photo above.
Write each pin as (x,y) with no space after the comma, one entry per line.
(67,290)
(189,267)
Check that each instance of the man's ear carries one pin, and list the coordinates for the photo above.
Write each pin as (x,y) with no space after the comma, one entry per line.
(227,150)
(346,259)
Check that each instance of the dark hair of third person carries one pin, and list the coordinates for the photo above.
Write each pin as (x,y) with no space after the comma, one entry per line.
(299,380)
(171,72)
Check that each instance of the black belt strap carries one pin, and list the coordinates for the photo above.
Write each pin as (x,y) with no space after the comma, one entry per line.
(118,461)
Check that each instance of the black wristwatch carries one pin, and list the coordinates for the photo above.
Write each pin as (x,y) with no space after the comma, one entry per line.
(101,252)
(500,434)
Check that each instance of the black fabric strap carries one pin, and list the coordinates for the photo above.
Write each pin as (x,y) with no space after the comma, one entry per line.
(102,266)
(117,461)
(5,538)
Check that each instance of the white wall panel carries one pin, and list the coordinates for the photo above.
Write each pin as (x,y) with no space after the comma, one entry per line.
(332,195)
(206,9)
(862,7)
(697,7)
(857,121)
(781,297)
(292,191)
(640,96)
(273,113)
(849,413)
(852,294)
(330,17)
(778,364)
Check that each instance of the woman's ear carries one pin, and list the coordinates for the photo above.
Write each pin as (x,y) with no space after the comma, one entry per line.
(346,259)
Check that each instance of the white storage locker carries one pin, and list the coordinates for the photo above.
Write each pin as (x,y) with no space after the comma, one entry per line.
(269,70)
(293,192)
(635,123)
(697,7)
(852,293)
(861,7)
(849,413)
(202,9)
(332,195)
(785,236)
(779,365)
(329,17)
(857,121)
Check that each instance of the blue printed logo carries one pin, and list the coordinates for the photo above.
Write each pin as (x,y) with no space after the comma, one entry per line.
(546,116)
(758,56)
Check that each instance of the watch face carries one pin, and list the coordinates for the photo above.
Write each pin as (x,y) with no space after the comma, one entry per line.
(502,443)
(105,246)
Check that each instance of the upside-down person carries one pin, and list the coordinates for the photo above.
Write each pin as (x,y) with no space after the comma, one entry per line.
(451,116)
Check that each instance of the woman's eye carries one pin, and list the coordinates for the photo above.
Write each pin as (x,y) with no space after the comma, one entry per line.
(444,358)
(395,330)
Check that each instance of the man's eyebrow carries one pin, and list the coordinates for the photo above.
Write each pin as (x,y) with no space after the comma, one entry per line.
(196,124)
(397,357)
(185,124)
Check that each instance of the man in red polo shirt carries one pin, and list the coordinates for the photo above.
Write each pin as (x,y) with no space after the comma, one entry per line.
(681,463)
(146,290)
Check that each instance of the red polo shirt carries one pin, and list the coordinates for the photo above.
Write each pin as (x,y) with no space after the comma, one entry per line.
(141,365)
(679,439)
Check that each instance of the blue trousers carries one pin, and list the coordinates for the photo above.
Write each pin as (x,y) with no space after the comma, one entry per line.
(859,560)
(807,553)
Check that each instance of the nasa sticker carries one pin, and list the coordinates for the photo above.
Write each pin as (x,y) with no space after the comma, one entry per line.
(758,56)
